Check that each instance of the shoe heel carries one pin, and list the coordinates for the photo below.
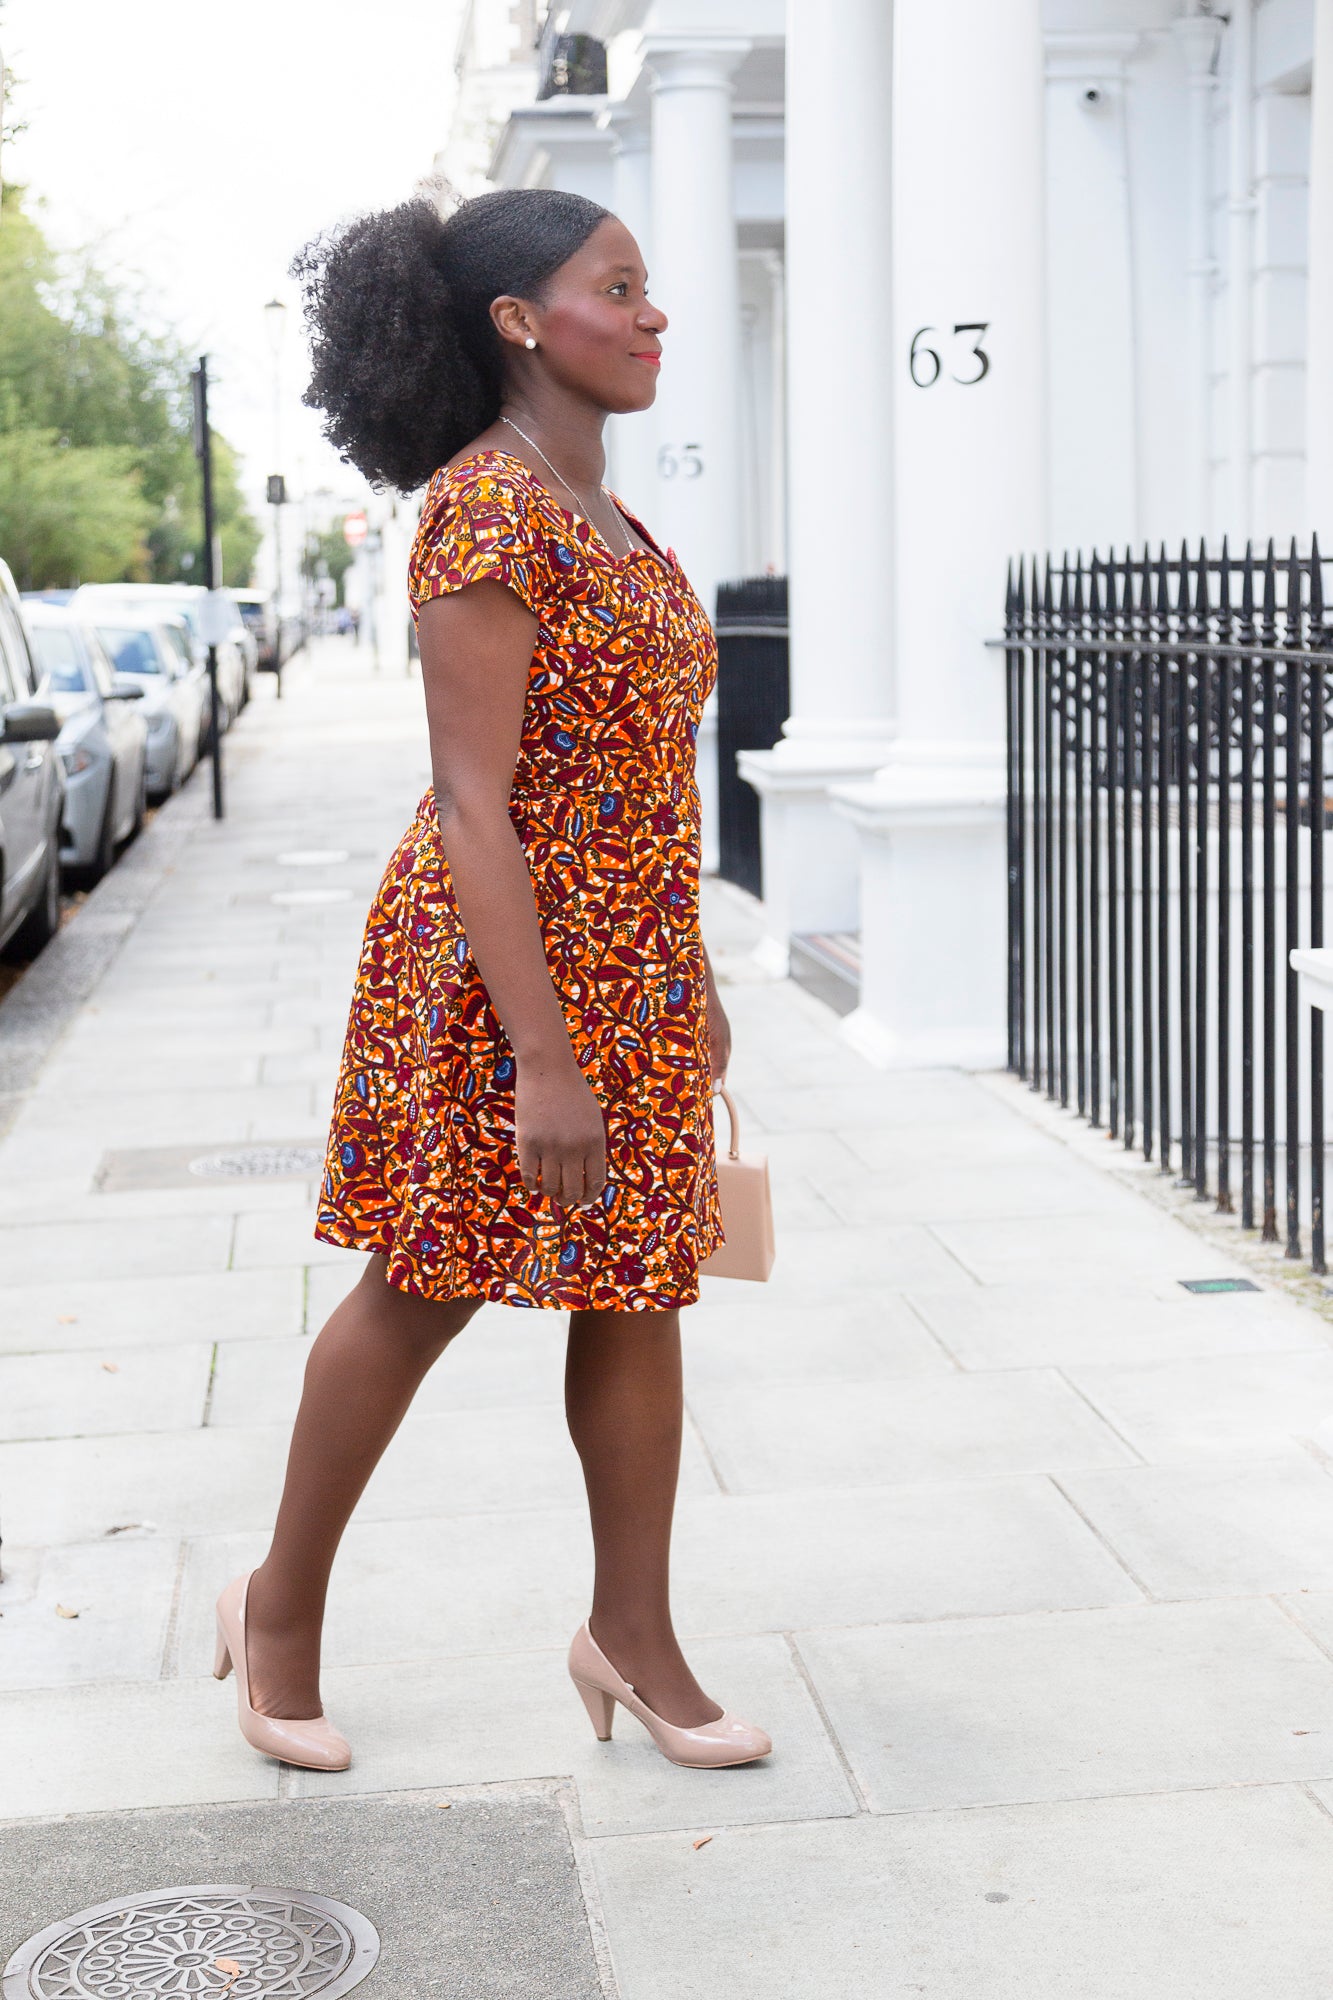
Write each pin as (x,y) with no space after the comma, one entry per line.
(221,1658)
(600,1706)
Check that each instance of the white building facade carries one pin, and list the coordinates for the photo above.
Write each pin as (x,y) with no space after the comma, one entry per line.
(948,281)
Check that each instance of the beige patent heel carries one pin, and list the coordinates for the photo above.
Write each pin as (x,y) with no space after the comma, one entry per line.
(728,1740)
(314,1744)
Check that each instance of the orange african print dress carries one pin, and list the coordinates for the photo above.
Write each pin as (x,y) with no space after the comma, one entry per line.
(421,1162)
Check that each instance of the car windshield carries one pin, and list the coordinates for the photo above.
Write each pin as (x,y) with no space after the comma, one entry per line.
(131,649)
(56,652)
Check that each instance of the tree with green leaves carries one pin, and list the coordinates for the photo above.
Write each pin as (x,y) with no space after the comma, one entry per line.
(98,478)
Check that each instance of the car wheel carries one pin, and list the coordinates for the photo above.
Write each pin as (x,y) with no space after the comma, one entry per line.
(105,852)
(43,920)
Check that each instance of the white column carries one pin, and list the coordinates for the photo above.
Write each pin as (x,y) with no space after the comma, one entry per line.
(1093,431)
(631,440)
(839,363)
(696,282)
(1197,35)
(970,468)
(1240,273)
(1319,309)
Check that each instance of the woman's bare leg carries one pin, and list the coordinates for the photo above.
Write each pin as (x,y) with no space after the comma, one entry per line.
(624,1403)
(364,1369)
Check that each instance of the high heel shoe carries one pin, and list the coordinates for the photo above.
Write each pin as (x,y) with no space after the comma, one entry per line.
(314,1745)
(708,1746)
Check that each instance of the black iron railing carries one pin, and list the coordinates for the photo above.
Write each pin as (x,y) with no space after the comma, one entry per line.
(1166,729)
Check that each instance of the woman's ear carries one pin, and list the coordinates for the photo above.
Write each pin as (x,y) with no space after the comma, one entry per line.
(510,319)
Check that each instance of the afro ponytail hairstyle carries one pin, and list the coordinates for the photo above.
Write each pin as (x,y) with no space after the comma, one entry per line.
(407,364)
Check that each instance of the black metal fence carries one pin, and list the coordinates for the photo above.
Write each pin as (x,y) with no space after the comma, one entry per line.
(752,705)
(1166,729)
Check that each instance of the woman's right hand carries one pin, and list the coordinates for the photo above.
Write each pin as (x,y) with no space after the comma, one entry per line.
(560,1133)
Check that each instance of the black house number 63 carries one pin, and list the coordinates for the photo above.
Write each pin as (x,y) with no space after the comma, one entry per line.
(924,364)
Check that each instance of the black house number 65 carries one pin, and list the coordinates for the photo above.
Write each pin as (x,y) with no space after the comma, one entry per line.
(924,364)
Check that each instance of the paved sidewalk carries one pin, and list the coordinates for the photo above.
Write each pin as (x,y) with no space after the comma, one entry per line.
(1024,1554)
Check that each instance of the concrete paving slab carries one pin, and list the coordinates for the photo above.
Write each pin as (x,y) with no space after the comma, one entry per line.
(260,1381)
(121,1592)
(1205,1896)
(287,1239)
(1133,1245)
(110,1312)
(93,1075)
(1221,1406)
(950,1191)
(814,1264)
(182,1483)
(163,1117)
(123,1745)
(786,1435)
(746,1339)
(78,1201)
(171,1246)
(95,1392)
(481,1720)
(773,1562)
(1075,1704)
(989,1143)
(1039,1320)
(1312,1610)
(481,1899)
(1222,1529)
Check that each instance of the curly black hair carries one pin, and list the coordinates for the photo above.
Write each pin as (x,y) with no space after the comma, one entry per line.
(408,366)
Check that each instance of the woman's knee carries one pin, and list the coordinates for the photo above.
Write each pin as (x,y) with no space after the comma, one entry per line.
(428,1320)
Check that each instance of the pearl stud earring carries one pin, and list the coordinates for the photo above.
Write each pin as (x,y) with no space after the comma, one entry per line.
(529,342)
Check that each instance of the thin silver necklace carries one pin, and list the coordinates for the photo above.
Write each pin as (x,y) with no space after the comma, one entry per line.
(629,545)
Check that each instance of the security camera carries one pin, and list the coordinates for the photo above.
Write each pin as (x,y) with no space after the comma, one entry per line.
(1092,95)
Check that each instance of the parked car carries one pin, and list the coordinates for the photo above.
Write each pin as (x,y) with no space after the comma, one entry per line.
(180,600)
(32,790)
(260,617)
(157,653)
(103,740)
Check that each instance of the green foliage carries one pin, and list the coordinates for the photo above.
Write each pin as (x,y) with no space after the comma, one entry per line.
(85,383)
(70,512)
(329,549)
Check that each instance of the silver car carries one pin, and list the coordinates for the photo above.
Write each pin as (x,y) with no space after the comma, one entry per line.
(32,791)
(156,654)
(110,601)
(103,740)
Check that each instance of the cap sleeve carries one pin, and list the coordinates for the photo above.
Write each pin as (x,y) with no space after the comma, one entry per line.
(479,526)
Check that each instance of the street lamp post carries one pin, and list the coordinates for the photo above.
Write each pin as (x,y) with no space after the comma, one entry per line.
(275,319)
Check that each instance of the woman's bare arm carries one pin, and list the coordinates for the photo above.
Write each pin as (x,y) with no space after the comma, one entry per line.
(476,649)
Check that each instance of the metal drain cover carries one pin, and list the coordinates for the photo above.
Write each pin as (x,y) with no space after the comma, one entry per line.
(250,1162)
(201,1942)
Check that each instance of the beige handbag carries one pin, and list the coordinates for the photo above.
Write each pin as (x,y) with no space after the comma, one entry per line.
(747,1211)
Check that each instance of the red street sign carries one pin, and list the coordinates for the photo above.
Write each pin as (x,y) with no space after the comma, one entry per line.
(354,530)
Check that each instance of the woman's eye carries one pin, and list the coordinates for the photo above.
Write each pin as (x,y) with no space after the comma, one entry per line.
(620,286)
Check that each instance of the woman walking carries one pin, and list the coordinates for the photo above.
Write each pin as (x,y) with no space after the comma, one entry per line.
(523,1112)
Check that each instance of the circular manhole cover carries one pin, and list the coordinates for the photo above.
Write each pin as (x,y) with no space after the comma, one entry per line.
(300,896)
(202,1942)
(313,857)
(247,1162)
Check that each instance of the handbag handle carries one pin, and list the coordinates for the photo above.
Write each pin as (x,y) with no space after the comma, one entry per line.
(734,1143)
